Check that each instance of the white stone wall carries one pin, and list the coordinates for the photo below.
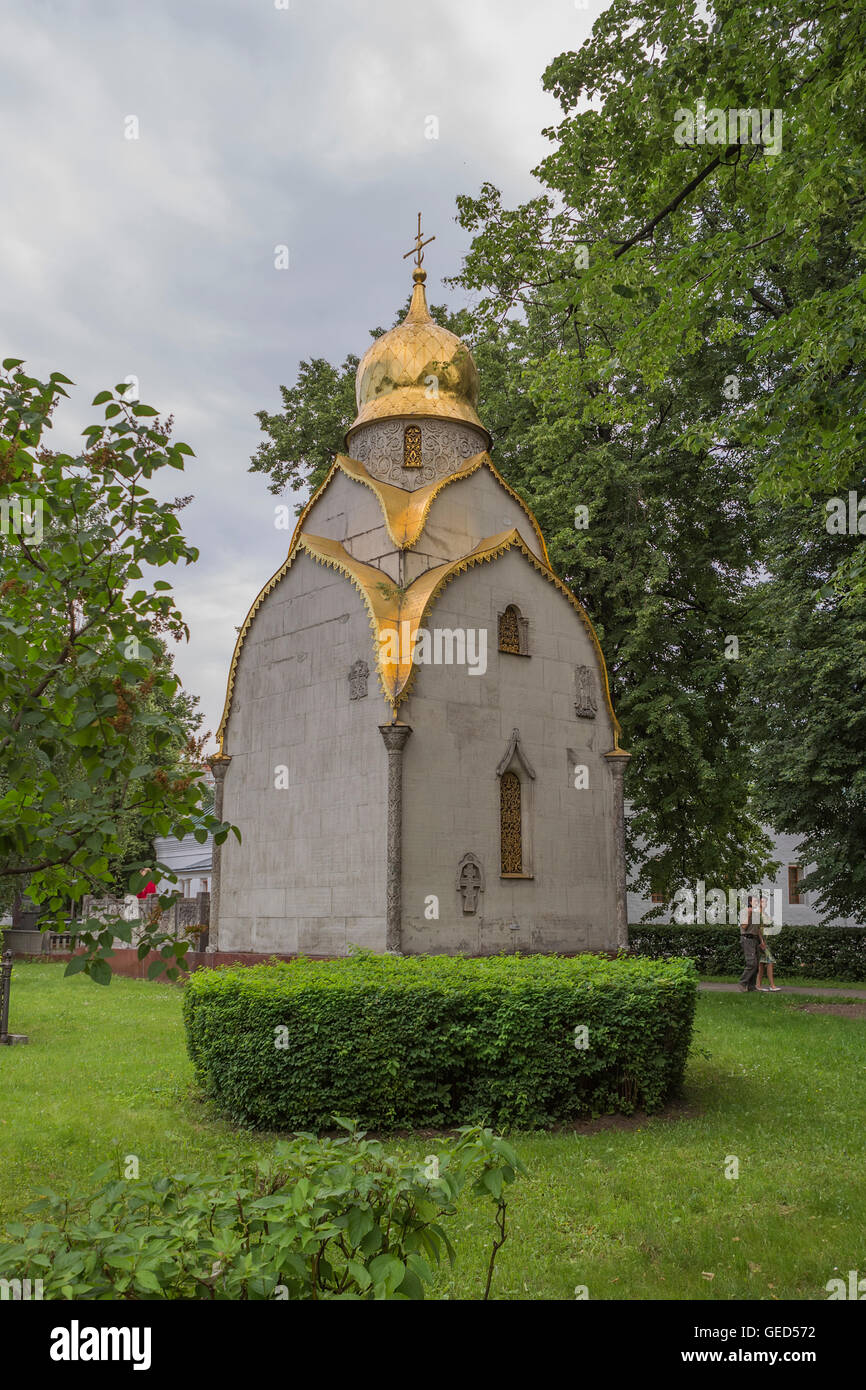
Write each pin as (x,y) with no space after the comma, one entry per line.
(461,729)
(349,512)
(462,515)
(310,873)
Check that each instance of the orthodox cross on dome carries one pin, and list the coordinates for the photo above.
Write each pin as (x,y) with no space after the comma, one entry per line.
(418,249)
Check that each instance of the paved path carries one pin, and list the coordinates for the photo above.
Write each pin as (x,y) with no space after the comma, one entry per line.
(842,992)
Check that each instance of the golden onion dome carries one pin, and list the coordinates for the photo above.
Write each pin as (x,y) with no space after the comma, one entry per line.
(417,369)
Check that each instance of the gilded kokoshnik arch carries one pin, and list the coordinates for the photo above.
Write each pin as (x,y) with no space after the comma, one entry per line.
(391,608)
(404,514)
(517,851)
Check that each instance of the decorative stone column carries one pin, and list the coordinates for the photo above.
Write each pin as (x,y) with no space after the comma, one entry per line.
(618,763)
(219,766)
(394,737)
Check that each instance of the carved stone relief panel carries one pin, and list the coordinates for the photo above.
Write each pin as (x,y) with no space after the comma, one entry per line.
(359,673)
(470,882)
(445,447)
(585,702)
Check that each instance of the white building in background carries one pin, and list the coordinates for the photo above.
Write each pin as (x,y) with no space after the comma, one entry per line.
(189,859)
(799,909)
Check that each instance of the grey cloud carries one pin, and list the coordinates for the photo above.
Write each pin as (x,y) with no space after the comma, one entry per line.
(258,126)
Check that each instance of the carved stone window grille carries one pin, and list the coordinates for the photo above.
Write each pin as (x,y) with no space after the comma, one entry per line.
(513,632)
(509,630)
(412,446)
(510,823)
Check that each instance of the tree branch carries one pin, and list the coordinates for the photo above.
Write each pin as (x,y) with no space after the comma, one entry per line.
(672,206)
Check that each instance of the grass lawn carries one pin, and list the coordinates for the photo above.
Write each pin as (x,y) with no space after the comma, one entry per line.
(632,1210)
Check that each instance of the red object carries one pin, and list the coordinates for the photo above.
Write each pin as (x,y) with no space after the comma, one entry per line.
(147,890)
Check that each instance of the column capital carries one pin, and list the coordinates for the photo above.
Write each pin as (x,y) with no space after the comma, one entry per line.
(395,736)
(619,759)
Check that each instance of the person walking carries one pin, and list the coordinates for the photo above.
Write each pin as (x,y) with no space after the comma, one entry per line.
(750,940)
(767,960)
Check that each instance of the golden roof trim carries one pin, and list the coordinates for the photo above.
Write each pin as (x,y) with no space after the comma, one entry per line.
(486,550)
(404,512)
(389,606)
(406,526)
(388,610)
(258,600)
(491,549)
(520,502)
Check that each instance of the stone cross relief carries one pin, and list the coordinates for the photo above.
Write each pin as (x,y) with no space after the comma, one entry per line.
(470,882)
(359,673)
(585,704)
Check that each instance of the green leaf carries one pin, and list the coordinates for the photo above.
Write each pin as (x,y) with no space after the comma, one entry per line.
(100,972)
(359,1274)
(360,1222)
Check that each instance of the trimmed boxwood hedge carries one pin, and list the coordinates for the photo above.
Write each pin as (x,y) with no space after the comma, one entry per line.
(826,953)
(438,1040)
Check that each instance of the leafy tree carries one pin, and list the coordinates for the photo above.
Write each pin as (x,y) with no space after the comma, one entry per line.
(804,706)
(91,725)
(670,336)
(715,293)
(692,231)
(305,435)
(133,830)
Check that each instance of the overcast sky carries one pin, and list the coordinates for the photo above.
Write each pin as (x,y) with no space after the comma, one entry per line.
(258,126)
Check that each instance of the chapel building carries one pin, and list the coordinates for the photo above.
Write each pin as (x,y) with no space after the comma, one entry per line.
(418,743)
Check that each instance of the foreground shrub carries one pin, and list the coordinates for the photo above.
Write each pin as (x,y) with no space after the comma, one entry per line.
(433,1040)
(828,953)
(332,1218)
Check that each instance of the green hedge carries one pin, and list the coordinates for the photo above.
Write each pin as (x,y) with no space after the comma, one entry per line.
(830,953)
(434,1040)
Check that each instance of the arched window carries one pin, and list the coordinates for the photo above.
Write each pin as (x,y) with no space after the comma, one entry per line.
(510,823)
(412,446)
(513,631)
(516,806)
